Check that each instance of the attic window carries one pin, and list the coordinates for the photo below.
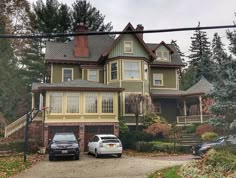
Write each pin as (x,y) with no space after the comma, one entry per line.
(163,56)
(128,46)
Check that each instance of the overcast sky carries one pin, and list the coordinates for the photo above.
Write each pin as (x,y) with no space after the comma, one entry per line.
(161,14)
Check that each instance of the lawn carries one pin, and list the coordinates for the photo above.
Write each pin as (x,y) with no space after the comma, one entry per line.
(15,164)
(166,173)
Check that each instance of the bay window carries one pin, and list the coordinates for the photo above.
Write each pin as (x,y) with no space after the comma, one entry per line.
(114,71)
(72,103)
(131,70)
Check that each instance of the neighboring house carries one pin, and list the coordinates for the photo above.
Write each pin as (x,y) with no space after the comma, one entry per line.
(91,77)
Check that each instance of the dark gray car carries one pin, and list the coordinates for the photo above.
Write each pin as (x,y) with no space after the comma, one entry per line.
(64,144)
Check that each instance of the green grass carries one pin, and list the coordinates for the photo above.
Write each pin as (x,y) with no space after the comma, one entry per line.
(166,173)
(12,165)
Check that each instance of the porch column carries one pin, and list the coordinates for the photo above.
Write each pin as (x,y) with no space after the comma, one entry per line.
(33,101)
(40,101)
(185,108)
(200,105)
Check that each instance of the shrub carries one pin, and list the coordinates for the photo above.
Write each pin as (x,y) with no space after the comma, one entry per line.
(130,138)
(201,129)
(191,128)
(207,136)
(159,129)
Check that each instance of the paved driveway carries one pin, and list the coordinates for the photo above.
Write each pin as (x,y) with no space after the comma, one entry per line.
(90,167)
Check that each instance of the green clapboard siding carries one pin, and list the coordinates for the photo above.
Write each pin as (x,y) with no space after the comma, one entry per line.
(114,84)
(131,86)
(101,76)
(169,77)
(138,49)
(57,72)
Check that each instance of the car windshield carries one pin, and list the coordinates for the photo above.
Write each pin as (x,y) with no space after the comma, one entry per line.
(110,140)
(64,137)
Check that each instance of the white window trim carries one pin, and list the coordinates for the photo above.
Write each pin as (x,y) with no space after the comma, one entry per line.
(145,72)
(113,103)
(123,70)
(72,73)
(162,53)
(132,47)
(97,73)
(153,79)
(111,71)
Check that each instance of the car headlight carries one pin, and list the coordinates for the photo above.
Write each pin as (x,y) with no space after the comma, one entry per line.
(75,145)
(54,146)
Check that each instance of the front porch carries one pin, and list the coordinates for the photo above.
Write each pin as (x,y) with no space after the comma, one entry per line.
(185,120)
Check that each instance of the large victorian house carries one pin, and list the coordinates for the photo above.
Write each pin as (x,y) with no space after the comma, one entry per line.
(92,76)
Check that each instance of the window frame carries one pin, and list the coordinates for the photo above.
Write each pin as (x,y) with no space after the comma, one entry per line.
(63,73)
(55,94)
(153,79)
(124,70)
(131,51)
(107,105)
(116,71)
(73,95)
(162,56)
(97,75)
(145,73)
(96,102)
(160,109)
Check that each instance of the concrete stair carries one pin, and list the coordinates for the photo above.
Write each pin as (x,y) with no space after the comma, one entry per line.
(189,139)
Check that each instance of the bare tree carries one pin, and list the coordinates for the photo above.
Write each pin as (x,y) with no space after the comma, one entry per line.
(136,103)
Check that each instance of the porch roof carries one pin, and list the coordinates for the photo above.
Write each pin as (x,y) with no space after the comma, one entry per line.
(201,87)
(167,93)
(74,85)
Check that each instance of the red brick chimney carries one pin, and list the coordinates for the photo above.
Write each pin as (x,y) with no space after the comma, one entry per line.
(81,42)
(140,28)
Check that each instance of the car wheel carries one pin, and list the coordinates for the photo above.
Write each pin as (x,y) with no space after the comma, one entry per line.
(96,154)
(51,157)
(119,155)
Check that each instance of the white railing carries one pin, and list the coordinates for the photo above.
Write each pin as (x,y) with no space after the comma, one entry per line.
(14,126)
(18,124)
(192,119)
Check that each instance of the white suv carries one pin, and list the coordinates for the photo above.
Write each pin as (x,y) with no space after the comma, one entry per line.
(105,144)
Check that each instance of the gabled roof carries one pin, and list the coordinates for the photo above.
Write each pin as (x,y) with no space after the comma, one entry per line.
(56,51)
(202,86)
(74,85)
(164,44)
(175,58)
(129,27)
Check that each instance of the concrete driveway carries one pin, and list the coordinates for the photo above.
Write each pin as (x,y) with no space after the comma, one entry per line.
(90,167)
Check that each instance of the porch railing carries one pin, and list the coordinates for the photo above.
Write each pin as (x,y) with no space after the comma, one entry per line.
(192,119)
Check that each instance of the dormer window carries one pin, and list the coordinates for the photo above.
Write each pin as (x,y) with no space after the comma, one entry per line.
(128,47)
(93,75)
(163,56)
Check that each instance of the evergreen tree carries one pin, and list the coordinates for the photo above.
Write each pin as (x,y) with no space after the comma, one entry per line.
(84,12)
(218,52)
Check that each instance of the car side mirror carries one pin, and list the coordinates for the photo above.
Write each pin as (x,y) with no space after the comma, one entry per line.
(78,139)
(49,140)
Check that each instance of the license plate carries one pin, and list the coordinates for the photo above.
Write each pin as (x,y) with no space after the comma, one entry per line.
(194,152)
(64,151)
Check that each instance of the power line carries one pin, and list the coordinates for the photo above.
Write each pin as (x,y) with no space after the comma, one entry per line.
(88,33)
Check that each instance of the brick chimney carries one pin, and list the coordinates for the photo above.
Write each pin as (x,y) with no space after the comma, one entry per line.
(81,42)
(140,28)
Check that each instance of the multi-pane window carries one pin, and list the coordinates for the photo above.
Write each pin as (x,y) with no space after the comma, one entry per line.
(91,102)
(107,103)
(56,103)
(67,75)
(114,71)
(72,102)
(157,79)
(128,46)
(162,55)
(131,70)
(93,75)
(128,107)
